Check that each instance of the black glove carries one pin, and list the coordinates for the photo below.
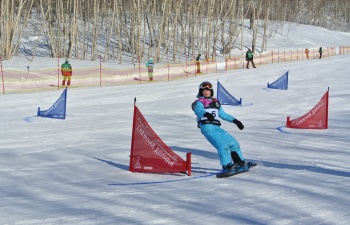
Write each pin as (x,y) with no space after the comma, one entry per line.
(209,116)
(238,123)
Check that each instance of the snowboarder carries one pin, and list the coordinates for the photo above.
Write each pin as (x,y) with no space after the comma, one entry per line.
(208,111)
(150,65)
(320,51)
(66,71)
(249,58)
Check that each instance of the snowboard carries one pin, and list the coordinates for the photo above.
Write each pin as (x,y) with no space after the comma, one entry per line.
(235,172)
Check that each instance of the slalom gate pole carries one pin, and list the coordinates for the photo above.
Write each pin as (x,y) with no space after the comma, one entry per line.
(100,70)
(58,73)
(132,136)
(188,162)
(327,108)
(2,77)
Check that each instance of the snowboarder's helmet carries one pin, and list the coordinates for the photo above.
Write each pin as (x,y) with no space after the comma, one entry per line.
(205,85)
(66,61)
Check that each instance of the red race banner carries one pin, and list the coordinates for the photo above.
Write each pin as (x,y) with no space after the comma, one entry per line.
(316,118)
(150,154)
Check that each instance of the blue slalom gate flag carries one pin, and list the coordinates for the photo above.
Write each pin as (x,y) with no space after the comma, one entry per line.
(280,83)
(225,98)
(57,110)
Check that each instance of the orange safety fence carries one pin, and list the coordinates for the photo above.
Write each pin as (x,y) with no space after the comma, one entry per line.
(101,75)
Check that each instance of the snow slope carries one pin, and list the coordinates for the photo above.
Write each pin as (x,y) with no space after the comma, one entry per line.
(75,171)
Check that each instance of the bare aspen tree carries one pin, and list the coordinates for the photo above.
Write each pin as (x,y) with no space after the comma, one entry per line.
(132,30)
(201,27)
(60,25)
(165,44)
(80,29)
(217,12)
(227,36)
(161,28)
(236,27)
(118,31)
(144,29)
(14,19)
(193,9)
(74,31)
(85,29)
(139,8)
(265,25)
(21,25)
(256,17)
(242,23)
(175,26)
(95,26)
(194,21)
(47,17)
(108,24)
(152,27)
(184,24)
(210,20)
(253,24)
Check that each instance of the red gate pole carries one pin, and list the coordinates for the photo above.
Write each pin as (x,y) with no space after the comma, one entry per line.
(58,73)
(100,70)
(2,76)
(167,58)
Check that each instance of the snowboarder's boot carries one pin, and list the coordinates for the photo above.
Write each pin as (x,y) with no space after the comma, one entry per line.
(228,167)
(241,165)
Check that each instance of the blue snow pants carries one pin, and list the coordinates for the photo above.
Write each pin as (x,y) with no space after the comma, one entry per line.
(224,142)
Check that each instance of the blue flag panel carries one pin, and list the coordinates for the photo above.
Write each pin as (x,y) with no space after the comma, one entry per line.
(225,98)
(57,110)
(280,83)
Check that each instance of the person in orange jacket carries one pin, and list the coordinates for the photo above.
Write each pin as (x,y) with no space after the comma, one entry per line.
(66,71)
(307,53)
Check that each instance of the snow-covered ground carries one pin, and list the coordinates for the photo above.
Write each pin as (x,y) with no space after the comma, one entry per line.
(75,171)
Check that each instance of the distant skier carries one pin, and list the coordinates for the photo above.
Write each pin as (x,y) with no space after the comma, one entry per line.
(307,53)
(249,58)
(208,111)
(150,65)
(66,71)
(320,51)
(198,64)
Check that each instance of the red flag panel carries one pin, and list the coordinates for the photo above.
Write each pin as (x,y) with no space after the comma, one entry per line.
(149,153)
(316,118)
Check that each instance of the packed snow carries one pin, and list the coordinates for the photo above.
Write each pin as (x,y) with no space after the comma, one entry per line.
(76,171)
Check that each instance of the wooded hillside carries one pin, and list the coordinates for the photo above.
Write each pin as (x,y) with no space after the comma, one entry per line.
(144,28)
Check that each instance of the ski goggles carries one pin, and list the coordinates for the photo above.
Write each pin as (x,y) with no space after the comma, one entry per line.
(206,85)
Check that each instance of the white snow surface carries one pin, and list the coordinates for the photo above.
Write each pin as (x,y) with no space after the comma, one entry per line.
(75,171)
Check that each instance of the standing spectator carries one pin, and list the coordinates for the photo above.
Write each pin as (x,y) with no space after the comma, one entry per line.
(320,51)
(198,63)
(66,71)
(249,58)
(150,65)
(307,53)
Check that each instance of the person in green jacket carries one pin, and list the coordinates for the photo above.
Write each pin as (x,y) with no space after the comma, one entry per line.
(320,51)
(249,58)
